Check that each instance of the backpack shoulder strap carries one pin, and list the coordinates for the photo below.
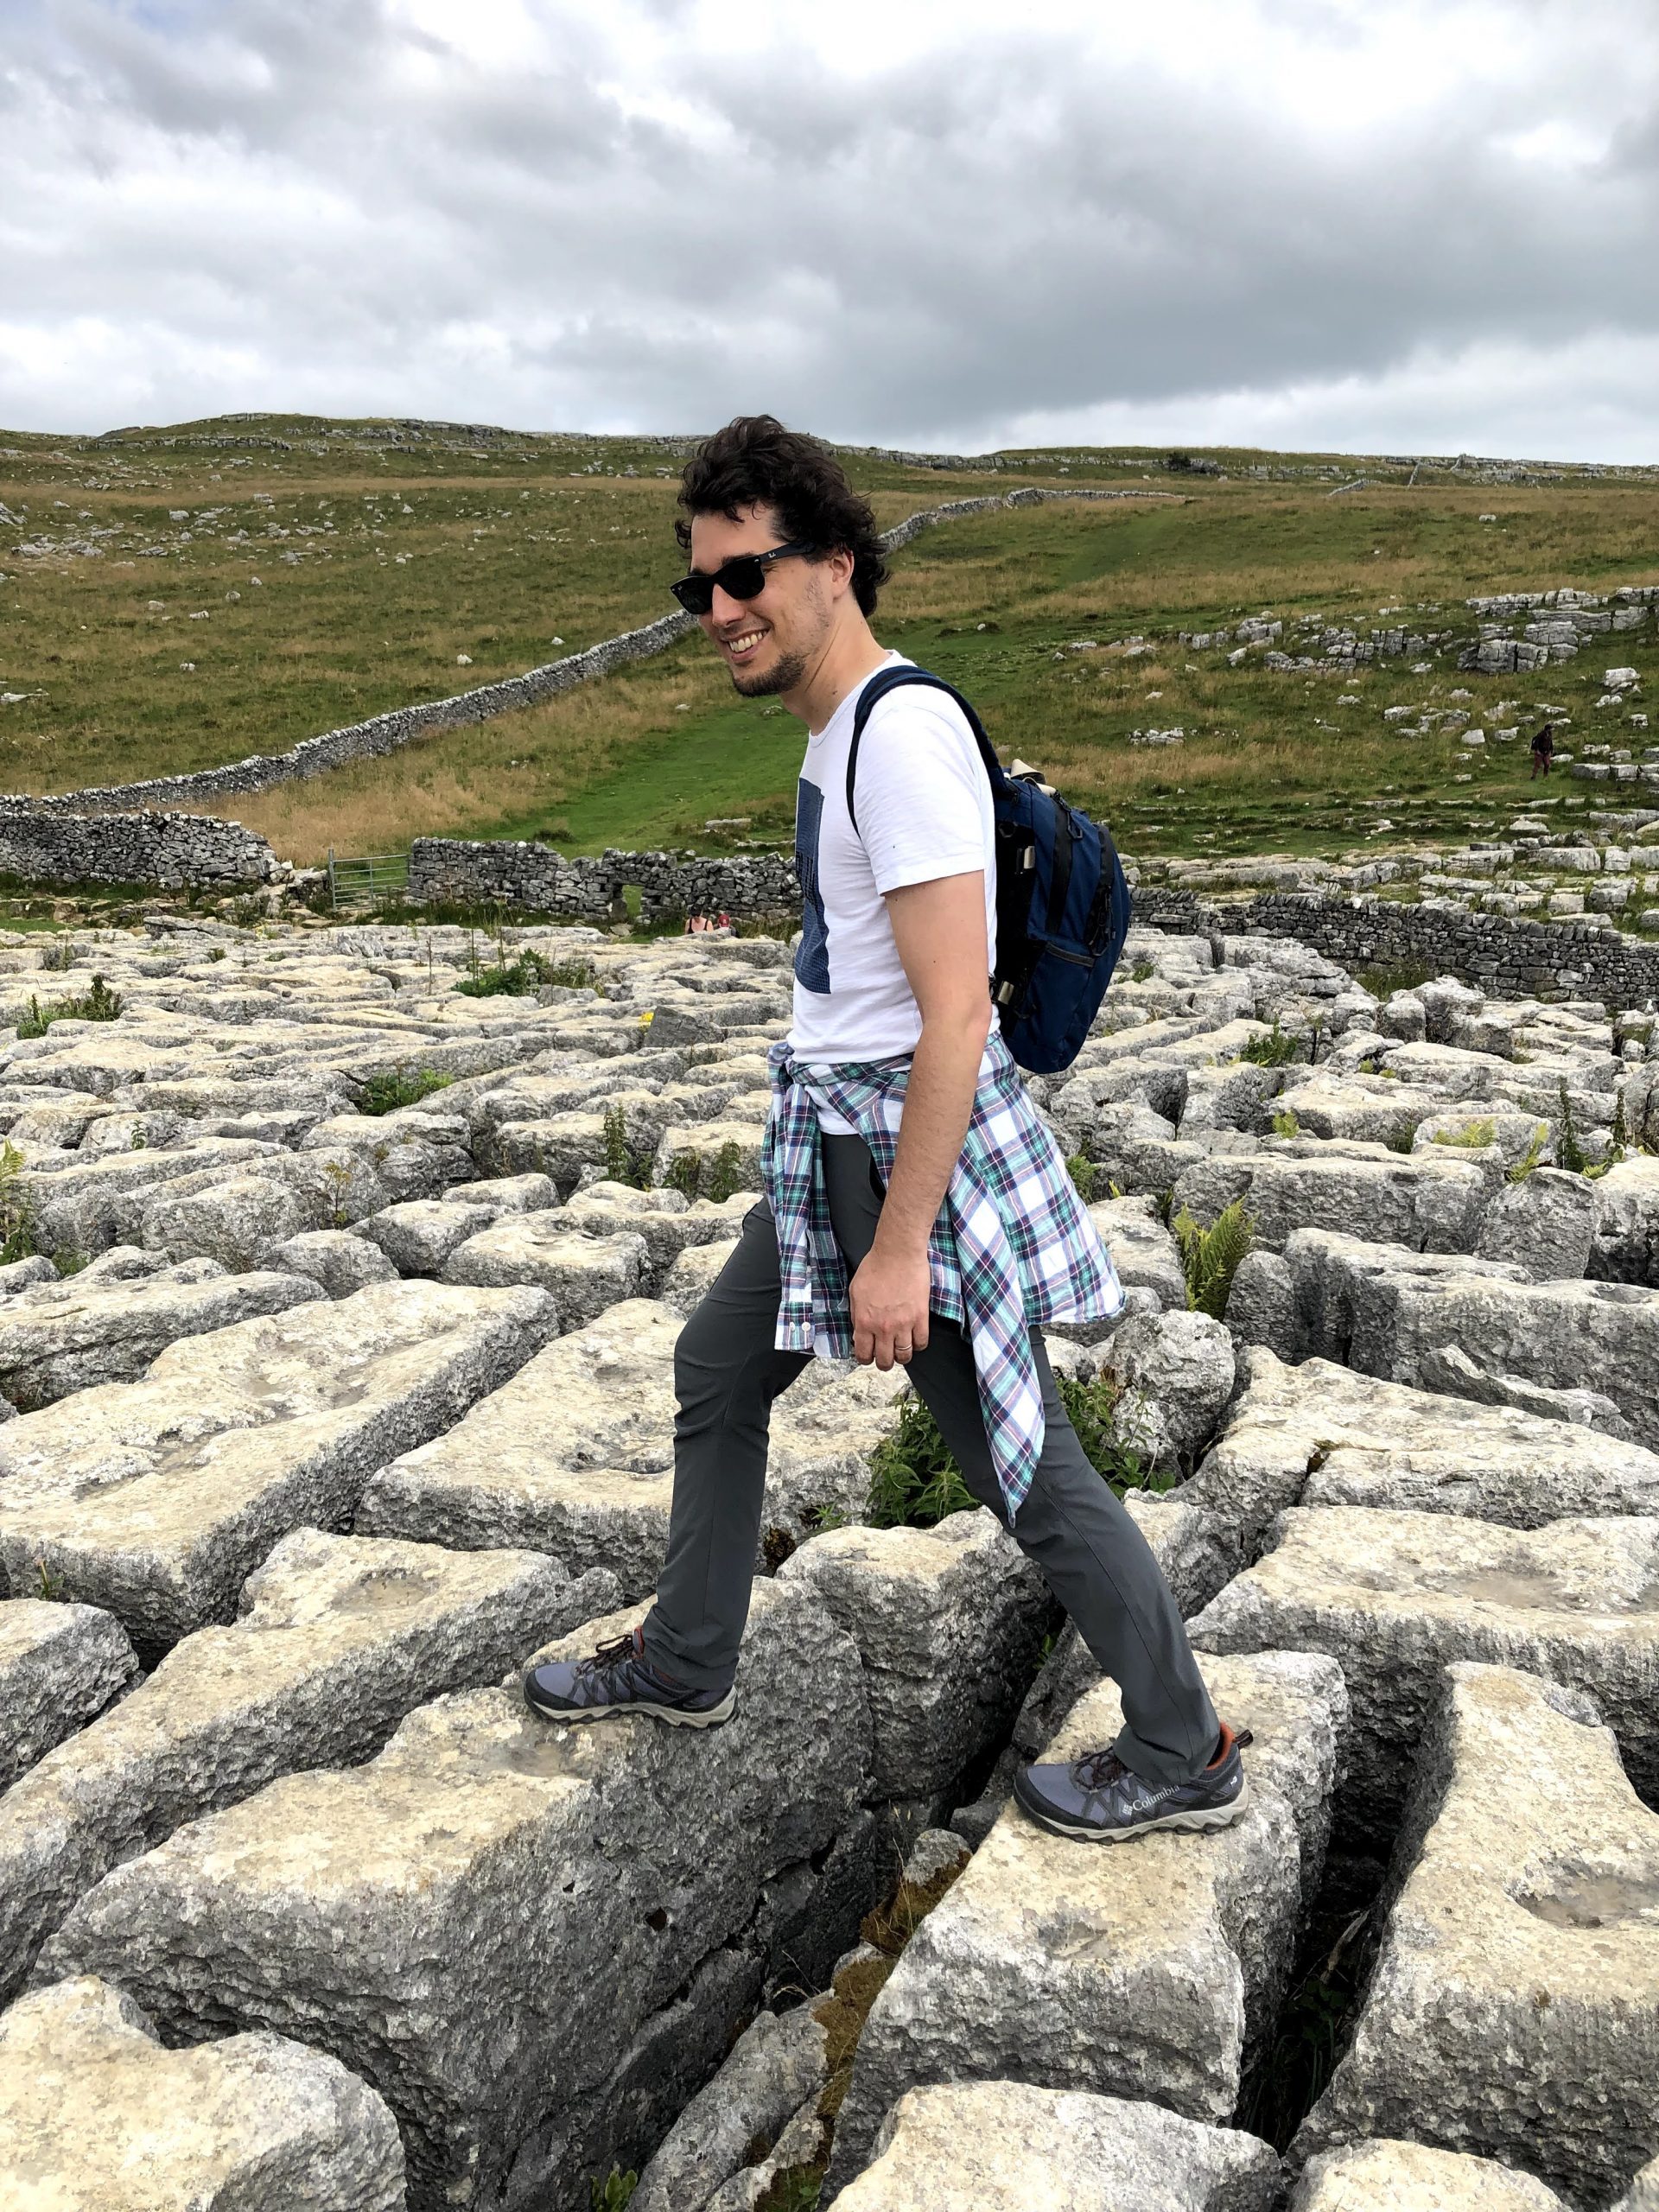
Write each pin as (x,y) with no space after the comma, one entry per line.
(890,679)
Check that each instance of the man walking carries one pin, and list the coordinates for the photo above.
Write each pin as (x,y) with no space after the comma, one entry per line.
(918,1209)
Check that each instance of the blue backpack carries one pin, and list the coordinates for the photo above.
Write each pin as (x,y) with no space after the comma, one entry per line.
(1062,901)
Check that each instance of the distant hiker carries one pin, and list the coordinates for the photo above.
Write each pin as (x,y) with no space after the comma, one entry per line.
(1544,748)
(903,1151)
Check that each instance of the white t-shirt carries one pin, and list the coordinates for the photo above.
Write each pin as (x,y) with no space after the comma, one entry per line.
(924,811)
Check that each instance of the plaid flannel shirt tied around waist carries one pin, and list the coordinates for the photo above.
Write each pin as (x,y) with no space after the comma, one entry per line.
(1013,1247)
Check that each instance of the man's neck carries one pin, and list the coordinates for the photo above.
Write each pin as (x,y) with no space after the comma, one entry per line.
(851,653)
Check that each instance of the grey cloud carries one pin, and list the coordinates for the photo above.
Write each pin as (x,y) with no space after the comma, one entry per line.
(1006,227)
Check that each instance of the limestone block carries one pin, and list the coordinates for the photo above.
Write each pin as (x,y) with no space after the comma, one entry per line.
(779,2065)
(23,1275)
(1397,1597)
(1003,2147)
(334,1258)
(1154,1972)
(1513,2012)
(1625,1239)
(949,1623)
(1450,1369)
(694,1274)
(1319,1435)
(234,1219)
(81,1203)
(706,1140)
(1261,1307)
(1544,1222)
(401,1155)
(1143,1250)
(1348,1102)
(1397,2177)
(1515,1137)
(584,1273)
(1177,1371)
(337,1638)
(66,1337)
(1381,1309)
(418,1236)
(1643,2194)
(157,1498)
(505,1193)
(60,1665)
(481,1920)
(559,1145)
(1422,1201)
(669,1222)
(575,1455)
(95,2115)
(1137,1148)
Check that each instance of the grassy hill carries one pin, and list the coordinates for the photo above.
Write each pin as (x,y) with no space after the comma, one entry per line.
(386,551)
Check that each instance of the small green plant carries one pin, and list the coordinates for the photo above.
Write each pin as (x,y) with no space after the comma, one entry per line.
(1285,1123)
(1569,1153)
(623,1163)
(340,1176)
(914,1481)
(615,2192)
(1210,1258)
(686,1174)
(385,1092)
(524,975)
(1533,1156)
(16,1214)
(725,1173)
(1402,1137)
(1473,1136)
(796,2189)
(99,1004)
(1085,1176)
(216,952)
(1143,972)
(1275,1050)
(1091,1409)
(68,1261)
(47,1585)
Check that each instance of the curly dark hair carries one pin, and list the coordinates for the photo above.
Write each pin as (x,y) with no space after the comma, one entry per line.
(755,462)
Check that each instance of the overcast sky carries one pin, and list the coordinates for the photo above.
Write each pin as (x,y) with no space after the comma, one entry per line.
(1423,225)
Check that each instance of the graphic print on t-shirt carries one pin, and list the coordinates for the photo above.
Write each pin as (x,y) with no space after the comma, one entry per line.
(812,957)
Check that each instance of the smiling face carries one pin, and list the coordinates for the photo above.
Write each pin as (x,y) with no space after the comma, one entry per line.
(769,644)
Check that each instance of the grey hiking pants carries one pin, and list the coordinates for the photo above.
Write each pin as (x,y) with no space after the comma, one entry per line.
(728,1371)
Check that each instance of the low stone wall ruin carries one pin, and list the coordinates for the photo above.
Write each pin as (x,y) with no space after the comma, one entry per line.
(147,846)
(1508,957)
(450,871)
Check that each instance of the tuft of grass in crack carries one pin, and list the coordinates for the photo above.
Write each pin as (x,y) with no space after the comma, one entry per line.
(385,1092)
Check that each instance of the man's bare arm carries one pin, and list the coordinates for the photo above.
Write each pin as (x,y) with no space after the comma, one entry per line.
(940,929)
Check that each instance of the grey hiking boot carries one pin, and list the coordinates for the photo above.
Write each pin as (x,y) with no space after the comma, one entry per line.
(1097,1797)
(619,1678)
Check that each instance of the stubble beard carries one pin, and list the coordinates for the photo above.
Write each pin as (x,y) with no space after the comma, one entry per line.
(786,672)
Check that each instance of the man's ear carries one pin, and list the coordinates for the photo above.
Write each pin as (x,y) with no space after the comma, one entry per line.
(839,567)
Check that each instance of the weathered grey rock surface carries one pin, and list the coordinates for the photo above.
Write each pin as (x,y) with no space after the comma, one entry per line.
(338,1638)
(1397,1597)
(480,1919)
(1145,1974)
(1401,2176)
(156,1499)
(1006,2146)
(95,2115)
(1515,2009)
(60,1666)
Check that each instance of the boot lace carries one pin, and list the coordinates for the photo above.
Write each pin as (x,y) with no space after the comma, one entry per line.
(1099,1770)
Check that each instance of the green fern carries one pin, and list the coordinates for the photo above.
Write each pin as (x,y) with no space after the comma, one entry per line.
(16,1213)
(1285,1123)
(1534,1156)
(1210,1258)
(614,2193)
(914,1481)
(1473,1136)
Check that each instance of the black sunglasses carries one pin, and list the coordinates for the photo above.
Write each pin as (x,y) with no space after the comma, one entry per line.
(744,576)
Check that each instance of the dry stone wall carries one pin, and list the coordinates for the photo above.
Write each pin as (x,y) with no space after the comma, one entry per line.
(44,843)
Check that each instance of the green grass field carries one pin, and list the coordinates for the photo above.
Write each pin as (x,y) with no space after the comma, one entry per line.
(378,567)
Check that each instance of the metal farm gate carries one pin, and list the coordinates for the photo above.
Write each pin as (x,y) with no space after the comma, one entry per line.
(366,878)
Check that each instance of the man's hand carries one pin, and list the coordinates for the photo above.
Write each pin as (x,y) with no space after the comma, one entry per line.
(888,1297)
